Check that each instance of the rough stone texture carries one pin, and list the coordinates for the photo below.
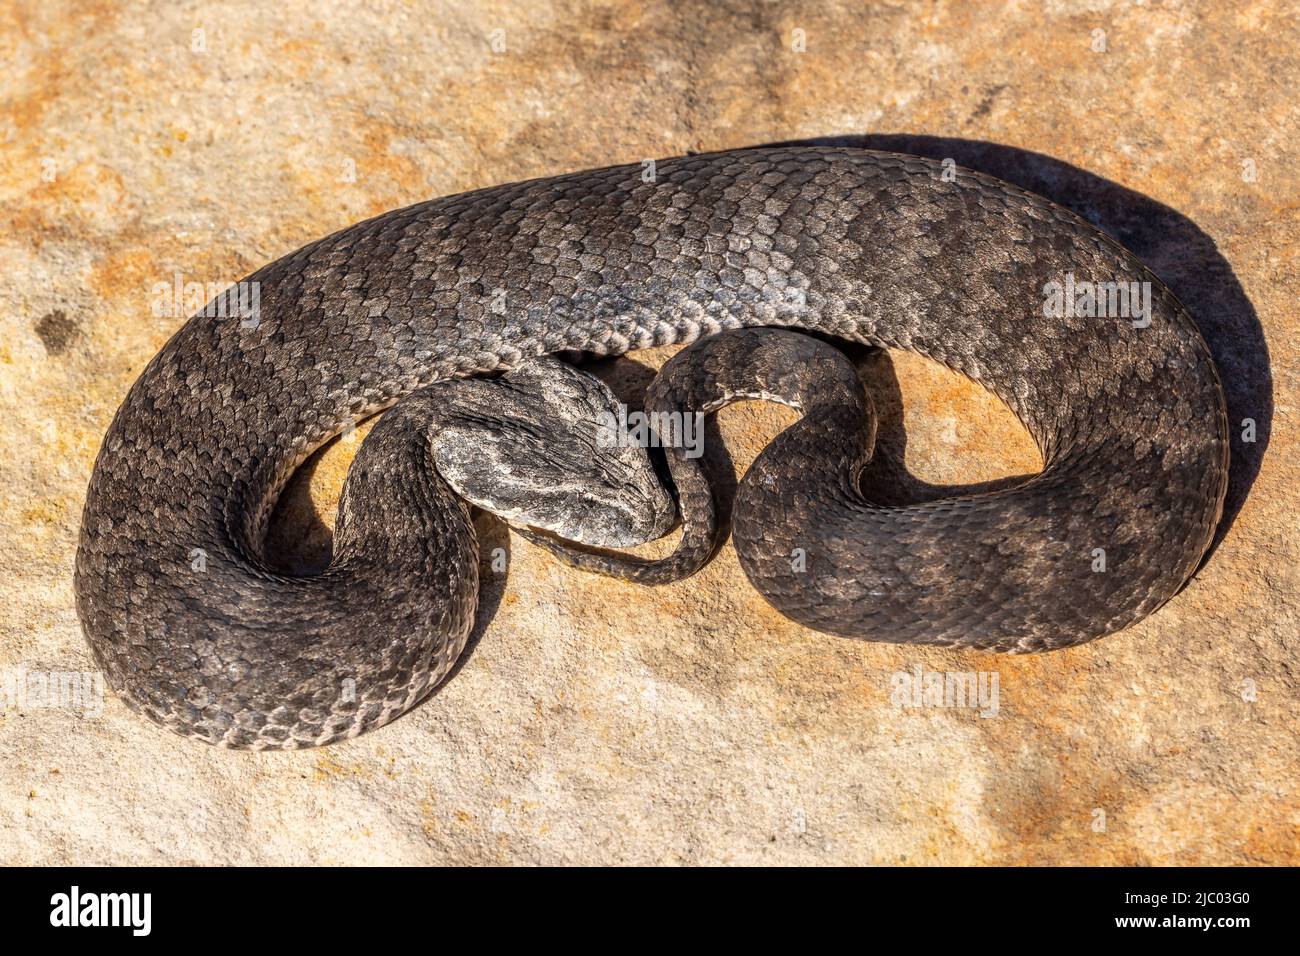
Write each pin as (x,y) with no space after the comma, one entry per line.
(601,722)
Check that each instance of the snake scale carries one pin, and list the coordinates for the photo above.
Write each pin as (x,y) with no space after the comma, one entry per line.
(401,310)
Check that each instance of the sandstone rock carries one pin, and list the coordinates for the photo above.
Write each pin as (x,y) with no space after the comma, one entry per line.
(595,721)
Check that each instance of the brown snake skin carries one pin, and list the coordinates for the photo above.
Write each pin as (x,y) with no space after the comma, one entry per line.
(195,629)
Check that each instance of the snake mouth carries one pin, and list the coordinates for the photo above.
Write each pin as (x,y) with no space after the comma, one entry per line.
(634,520)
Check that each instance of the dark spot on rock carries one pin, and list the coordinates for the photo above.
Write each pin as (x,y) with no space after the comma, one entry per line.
(986,102)
(57,331)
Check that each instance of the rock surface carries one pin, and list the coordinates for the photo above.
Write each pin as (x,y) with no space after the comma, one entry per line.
(595,721)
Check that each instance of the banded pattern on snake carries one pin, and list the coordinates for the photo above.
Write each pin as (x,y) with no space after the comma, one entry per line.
(412,308)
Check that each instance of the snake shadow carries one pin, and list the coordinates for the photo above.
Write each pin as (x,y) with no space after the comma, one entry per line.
(1175,249)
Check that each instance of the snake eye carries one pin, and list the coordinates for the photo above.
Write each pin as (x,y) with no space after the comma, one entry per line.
(533,448)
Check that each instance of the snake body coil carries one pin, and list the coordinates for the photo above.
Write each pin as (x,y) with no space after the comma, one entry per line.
(194,628)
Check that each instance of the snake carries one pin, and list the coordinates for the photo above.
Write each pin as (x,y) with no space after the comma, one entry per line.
(454,318)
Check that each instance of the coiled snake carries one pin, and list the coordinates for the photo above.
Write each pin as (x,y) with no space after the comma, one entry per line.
(407,308)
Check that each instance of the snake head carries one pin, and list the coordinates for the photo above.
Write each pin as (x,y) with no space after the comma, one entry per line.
(533,448)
